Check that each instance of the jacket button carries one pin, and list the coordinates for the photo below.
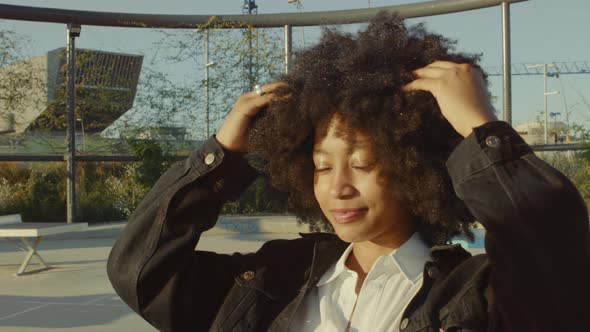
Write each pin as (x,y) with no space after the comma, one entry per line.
(493,141)
(248,275)
(209,158)
(405,322)
(433,272)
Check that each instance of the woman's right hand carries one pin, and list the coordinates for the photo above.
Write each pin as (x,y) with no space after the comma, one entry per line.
(233,134)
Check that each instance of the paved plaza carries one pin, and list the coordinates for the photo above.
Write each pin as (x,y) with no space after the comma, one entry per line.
(75,294)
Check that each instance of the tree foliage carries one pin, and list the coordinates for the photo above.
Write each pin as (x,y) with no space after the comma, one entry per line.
(19,77)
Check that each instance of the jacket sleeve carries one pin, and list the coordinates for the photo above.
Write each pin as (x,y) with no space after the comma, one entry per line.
(154,267)
(537,236)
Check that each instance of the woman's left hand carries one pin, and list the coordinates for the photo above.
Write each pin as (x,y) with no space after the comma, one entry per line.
(460,92)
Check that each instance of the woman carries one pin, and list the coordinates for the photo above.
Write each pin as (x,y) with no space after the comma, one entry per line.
(388,141)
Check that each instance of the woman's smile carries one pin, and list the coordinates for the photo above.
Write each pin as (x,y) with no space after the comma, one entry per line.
(343,216)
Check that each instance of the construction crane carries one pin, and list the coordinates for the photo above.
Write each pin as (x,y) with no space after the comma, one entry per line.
(554,69)
(559,68)
(250,7)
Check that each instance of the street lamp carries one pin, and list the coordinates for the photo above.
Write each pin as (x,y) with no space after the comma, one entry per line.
(207,65)
(545,92)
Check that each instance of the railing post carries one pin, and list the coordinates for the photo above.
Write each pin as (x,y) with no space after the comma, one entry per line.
(506,64)
(207,82)
(288,46)
(73,31)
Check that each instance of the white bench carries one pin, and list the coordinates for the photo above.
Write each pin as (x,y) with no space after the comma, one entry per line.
(11,226)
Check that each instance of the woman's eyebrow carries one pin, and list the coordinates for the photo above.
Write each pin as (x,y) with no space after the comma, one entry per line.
(350,150)
(319,151)
(359,146)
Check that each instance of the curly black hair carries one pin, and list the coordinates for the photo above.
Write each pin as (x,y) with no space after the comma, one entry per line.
(360,77)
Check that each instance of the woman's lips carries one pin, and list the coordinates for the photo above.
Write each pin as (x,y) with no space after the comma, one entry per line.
(343,216)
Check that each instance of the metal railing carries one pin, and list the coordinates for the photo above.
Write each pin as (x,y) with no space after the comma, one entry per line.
(74,19)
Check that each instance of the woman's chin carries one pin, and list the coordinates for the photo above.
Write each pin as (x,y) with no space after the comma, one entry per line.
(349,235)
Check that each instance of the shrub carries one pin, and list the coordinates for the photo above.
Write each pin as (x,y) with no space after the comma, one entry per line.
(105,191)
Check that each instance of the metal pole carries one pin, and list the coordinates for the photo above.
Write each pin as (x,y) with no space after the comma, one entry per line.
(288,46)
(252,9)
(545,97)
(506,64)
(363,15)
(83,135)
(207,80)
(73,31)
(250,61)
(567,116)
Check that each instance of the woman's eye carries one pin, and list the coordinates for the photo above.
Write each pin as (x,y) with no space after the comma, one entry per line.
(363,167)
(322,169)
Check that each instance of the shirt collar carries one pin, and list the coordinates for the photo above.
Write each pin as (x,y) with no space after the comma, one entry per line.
(409,258)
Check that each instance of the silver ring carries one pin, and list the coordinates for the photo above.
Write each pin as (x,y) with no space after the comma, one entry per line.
(258,90)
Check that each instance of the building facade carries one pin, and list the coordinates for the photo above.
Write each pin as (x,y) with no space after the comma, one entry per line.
(106,84)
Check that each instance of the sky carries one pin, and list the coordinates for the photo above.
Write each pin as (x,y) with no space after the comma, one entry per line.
(542,31)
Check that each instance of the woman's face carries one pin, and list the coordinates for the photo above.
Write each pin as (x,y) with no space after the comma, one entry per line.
(352,193)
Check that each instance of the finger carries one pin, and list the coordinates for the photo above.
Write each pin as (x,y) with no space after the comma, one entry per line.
(430,72)
(273,85)
(425,84)
(443,64)
(263,100)
(256,104)
(266,88)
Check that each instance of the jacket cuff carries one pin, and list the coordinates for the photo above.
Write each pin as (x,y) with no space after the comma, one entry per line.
(488,144)
(227,172)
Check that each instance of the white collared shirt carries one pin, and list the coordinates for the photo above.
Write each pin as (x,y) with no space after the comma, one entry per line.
(393,280)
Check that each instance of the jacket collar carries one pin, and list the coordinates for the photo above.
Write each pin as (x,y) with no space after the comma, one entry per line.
(329,248)
(325,254)
(408,259)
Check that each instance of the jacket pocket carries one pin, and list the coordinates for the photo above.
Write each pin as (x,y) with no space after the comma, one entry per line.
(239,304)
(247,308)
(466,313)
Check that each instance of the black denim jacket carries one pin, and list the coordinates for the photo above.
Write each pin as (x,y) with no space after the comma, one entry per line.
(534,277)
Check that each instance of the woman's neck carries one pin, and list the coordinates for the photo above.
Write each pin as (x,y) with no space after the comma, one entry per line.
(365,253)
(363,256)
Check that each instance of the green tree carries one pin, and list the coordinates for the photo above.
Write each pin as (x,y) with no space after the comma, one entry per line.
(19,76)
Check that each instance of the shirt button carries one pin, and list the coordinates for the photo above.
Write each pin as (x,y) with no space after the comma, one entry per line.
(209,158)
(248,275)
(405,322)
(493,141)
(433,272)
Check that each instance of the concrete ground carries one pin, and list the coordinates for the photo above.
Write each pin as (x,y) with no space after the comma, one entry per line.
(75,294)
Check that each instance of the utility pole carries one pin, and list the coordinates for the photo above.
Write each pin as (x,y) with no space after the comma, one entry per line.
(73,31)
(545,92)
(208,64)
(250,8)
(207,82)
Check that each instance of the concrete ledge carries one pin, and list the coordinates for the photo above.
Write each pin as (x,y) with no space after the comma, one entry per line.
(269,224)
(94,231)
(226,225)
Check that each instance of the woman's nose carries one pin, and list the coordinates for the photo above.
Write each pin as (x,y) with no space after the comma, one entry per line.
(341,185)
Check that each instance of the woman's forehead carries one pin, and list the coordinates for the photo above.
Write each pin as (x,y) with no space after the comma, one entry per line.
(340,136)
